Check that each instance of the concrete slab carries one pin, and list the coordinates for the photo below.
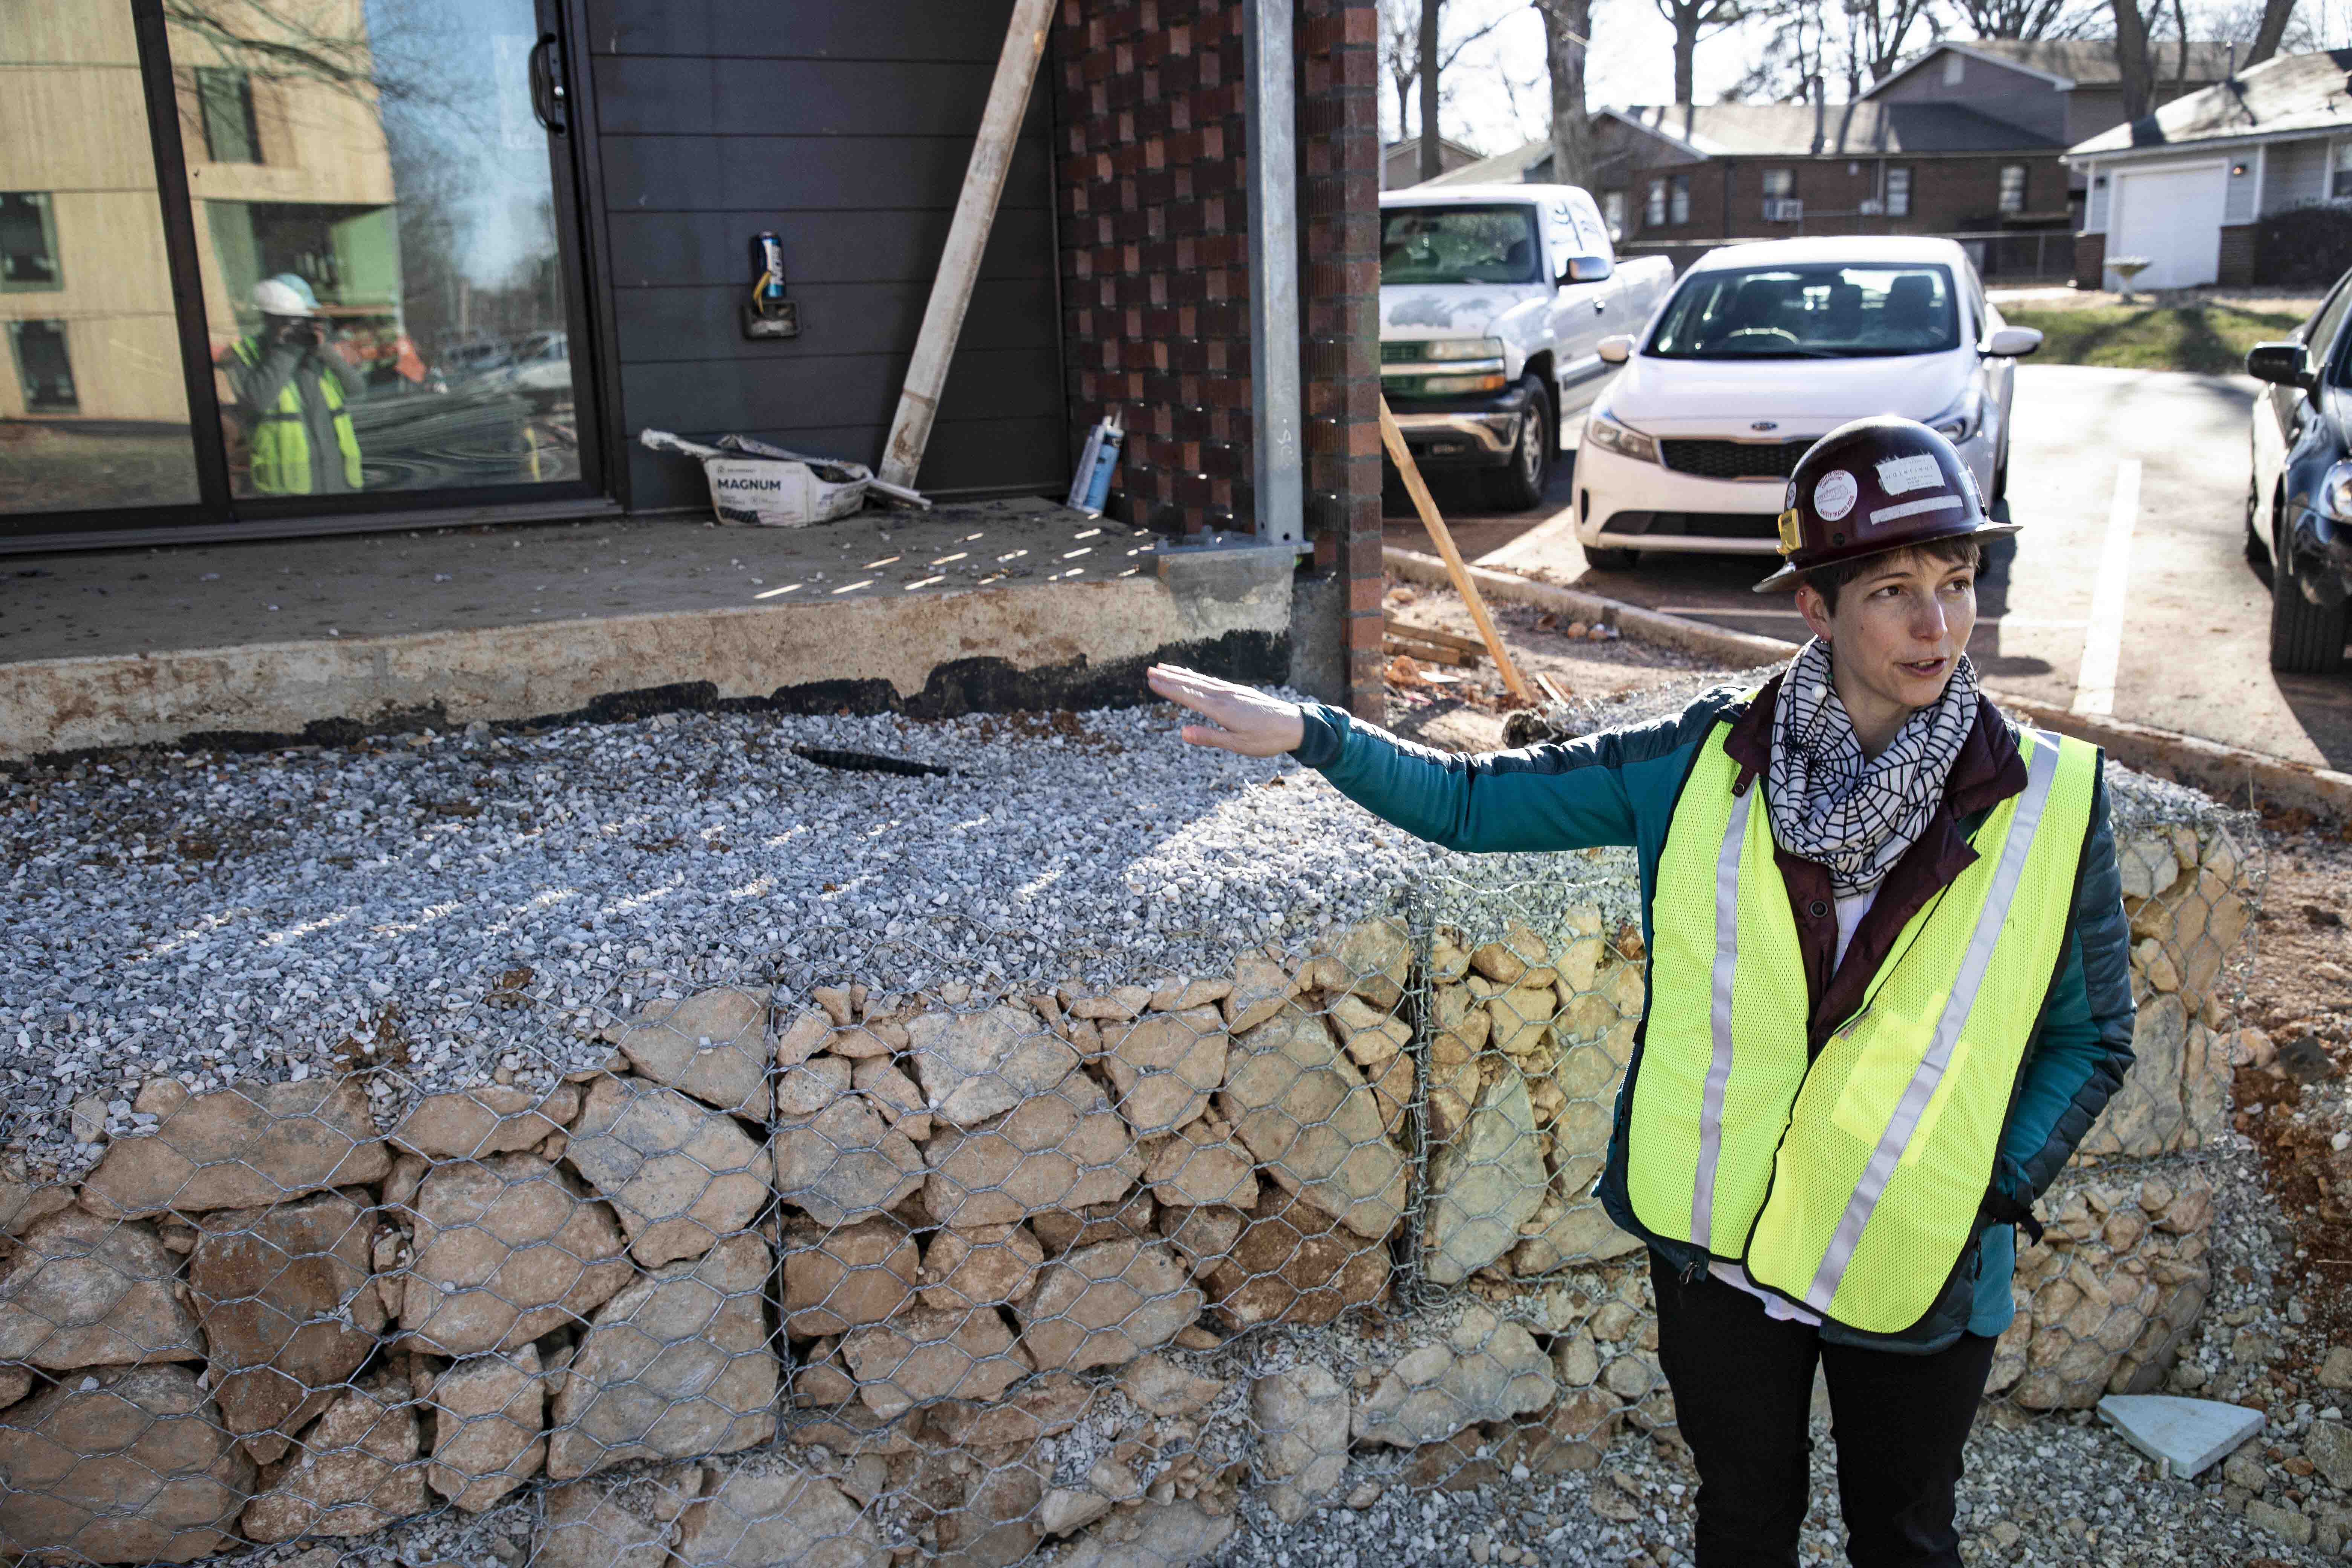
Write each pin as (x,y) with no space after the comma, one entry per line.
(1008,605)
(2182,1435)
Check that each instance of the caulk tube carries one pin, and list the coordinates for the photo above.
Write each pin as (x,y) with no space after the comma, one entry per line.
(1114,436)
(1082,479)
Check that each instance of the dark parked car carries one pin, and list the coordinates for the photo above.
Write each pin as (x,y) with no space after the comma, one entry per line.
(2299,500)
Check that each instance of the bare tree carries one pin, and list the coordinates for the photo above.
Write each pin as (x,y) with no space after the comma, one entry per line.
(2135,70)
(1692,20)
(2271,32)
(1408,27)
(1433,157)
(2027,19)
(1568,37)
(1875,34)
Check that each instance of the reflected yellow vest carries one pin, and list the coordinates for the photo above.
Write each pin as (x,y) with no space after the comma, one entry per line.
(281,446)
(1851,1183)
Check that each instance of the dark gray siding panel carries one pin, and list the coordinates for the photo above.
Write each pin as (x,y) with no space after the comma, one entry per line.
(846,127)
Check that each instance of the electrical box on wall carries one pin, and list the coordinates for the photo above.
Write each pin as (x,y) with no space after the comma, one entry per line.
(768,313)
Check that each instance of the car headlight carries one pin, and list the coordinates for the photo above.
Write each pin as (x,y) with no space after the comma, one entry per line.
(1463,348)
(1622,440)
(1961,420)
(2336,493)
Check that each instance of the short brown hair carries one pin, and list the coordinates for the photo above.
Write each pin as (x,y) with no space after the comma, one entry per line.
(1828,580)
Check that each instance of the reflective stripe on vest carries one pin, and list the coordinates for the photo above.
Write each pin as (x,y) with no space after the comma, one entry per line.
(1850,1184)
(281,445)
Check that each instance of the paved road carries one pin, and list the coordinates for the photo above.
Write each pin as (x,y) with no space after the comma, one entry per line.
(2141,605)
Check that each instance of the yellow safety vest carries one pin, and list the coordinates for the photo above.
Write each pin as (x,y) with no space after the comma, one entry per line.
(281,445)
(1848,1181)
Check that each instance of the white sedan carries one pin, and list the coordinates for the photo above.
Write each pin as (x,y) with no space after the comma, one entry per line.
(1760,351)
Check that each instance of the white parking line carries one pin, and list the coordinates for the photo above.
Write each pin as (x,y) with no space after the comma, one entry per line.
(2103,645)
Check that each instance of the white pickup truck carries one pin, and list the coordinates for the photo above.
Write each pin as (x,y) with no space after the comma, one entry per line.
(1494,300)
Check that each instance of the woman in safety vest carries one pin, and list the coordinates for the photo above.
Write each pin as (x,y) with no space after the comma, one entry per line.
(1888,994)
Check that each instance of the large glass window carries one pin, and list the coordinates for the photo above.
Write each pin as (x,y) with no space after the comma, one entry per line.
(377,237)
(28,243)
(1461,244)
(2339,171)
(1898,190)
(93,397)
(1808,312)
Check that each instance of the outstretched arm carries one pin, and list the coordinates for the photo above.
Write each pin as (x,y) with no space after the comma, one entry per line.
(1571,795)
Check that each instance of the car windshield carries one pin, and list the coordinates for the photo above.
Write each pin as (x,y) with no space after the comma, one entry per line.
(1808,312)
(1461,244)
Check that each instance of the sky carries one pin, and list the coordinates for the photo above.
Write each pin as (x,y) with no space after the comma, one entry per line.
(1632,62)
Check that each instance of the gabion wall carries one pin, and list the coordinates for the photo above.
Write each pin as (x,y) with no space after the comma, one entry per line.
(854,1278)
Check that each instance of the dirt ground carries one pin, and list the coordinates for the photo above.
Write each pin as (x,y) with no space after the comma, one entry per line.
(2290,1093)
(1464,709)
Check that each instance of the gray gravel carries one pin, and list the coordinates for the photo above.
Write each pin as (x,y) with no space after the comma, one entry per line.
(226,918)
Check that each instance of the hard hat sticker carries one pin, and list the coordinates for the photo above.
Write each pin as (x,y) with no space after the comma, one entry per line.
(1834,496)
(1918,472)
(1914,508)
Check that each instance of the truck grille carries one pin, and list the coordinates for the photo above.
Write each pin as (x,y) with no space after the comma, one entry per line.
(1734,459)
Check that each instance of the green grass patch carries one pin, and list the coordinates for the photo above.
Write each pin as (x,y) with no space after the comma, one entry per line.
(2212,339)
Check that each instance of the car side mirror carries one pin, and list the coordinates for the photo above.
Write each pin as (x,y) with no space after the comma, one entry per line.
(1615,349)
(1586,270)
(2280,365)
(2014,342)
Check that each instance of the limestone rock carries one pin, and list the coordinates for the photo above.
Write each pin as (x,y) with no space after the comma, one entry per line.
(2336,1370)
(1260,990)
(804,1036)
(134,1468)
(1377,956)
(241,1148)
(1128,1219)
(894,1094)
(836,1281)
(1156,1384)
(23,1203)
(980,1266)
(712,1045)
(781,1516)
(506,1250)
(1159,1535)
(1165,1066)
(1484,1184)
(1178,994)
(1194,1169)
(354,1472)
(926,1353)
(1293,1264)
(270,1286)
(86,1291)
(15,1381)
(973,1065)
(487,1412)
(1521,1017)
(1306,1115)
(1203,1236)
(678,1364)
(809,1087)
(1061,1150)
(1106,1304)
(1302,1423)
(1041,1406)
(1576,1232)
(2328,1446)
(678,1175)
(585,1527)
(845,1163)
(1370,1036)
(495,1119)
(1519,956)
(2148,865)
(1066,1508)
(1486,1370)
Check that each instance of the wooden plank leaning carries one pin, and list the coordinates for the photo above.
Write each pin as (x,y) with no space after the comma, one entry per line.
(1393,440)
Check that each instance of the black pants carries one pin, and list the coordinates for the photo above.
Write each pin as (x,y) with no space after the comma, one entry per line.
(1743,1388)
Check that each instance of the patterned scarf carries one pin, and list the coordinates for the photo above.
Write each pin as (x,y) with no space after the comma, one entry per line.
(1829,804)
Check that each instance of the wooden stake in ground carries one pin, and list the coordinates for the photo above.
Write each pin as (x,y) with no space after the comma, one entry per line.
(983,181)
(1393,440)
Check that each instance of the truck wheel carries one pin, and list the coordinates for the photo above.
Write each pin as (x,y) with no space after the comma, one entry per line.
(2305,638)
(1605,560)
(1519,486)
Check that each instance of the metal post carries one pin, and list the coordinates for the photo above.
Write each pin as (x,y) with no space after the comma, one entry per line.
(1278,478)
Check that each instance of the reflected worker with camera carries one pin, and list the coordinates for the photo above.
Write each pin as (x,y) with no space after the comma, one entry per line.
(293,392)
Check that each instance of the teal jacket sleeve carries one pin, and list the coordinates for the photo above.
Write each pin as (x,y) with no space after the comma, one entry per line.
(2084,1046)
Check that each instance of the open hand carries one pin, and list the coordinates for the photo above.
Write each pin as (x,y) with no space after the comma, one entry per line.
(1241,719)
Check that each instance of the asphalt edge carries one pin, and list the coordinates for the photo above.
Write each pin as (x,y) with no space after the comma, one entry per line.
(2230,773)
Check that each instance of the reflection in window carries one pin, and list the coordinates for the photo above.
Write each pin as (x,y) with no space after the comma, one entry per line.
(225,99)
(391,303)
(28,243)
(44,369)
(2013,188)
(93,398)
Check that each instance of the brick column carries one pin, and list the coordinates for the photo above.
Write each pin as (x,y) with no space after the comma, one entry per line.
(1340,294)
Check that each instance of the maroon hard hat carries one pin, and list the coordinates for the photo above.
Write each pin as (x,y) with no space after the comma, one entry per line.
(1871,486)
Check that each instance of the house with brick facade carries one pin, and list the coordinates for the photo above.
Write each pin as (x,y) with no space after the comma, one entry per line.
(2185,188)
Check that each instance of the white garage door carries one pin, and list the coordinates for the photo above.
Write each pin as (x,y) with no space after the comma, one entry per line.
(2173,217)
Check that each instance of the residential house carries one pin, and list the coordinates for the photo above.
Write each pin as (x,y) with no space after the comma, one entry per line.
(2064,91)
(1681,176)
(1401,161)
(2183,188)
